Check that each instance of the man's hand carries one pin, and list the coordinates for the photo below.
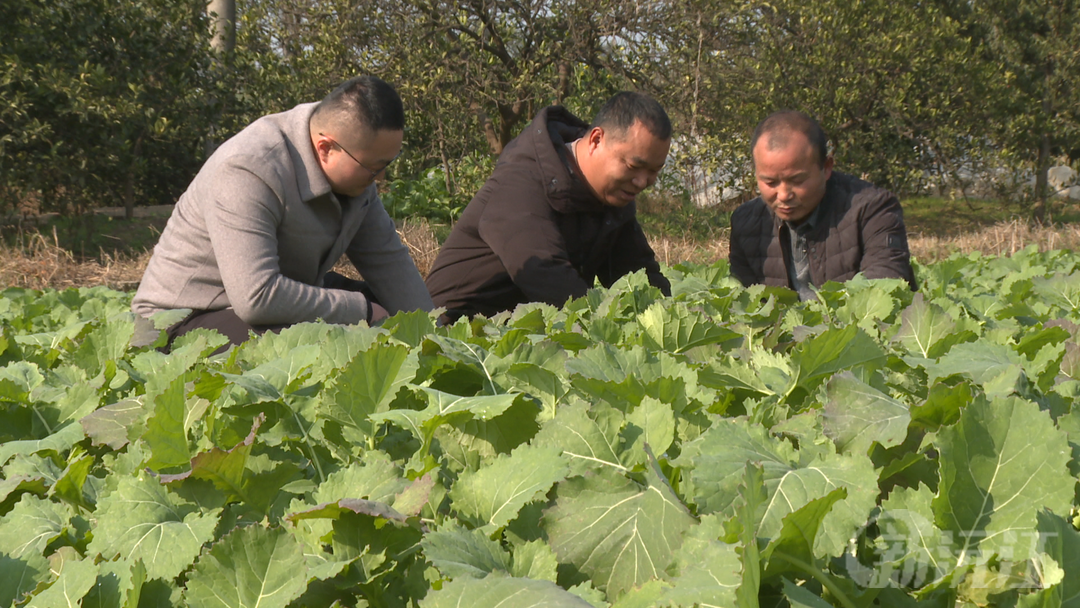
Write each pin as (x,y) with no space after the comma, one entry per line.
(378,313)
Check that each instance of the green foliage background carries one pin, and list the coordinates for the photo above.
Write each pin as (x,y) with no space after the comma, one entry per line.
(104,103)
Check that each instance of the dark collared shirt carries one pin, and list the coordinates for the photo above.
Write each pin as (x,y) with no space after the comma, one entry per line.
(798,262)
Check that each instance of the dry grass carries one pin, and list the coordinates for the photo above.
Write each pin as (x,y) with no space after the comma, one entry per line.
(38,262)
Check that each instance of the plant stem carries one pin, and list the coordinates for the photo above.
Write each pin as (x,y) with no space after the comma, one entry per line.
(825,580)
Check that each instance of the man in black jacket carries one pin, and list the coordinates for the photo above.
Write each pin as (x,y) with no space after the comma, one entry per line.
(812,224)
(558,212)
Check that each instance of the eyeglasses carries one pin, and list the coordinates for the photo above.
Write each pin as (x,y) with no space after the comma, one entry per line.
(373,173)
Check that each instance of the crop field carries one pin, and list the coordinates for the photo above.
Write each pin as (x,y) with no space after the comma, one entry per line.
(722,447)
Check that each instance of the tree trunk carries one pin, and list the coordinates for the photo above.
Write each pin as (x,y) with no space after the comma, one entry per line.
(488,127)
(129,185)
(1042,165)
(223,18)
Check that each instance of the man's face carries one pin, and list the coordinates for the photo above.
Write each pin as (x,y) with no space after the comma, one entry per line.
(351,162)
(619,166)
(790,180)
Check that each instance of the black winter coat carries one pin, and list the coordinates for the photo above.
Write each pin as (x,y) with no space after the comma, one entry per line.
(536,233)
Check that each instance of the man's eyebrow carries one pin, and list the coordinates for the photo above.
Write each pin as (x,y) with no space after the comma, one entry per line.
(637,160)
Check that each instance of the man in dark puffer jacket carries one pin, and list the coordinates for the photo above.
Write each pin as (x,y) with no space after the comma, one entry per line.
(812,225)
(557,213)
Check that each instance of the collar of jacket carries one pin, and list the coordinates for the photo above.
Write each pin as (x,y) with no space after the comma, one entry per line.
(546,138)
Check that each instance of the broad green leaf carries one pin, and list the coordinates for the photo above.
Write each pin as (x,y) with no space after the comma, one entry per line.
(20,576)
(118,585)
(106,342)
(444,408)
(1060,541)
(61,440)
(650,424)
(988,364)
(819,478)
(500,592)
(588,437)
(1002,463)
(543,384)
(141,519)
(469,442)
(493,495)
(858,415)
(794,547)
(676,329)
(923,328)
(709,571)
(834,350)
(713,464)
(536,560)
(225,468)
(458,552)
(250,567)
(375,477)
(619,533)
(368,384)
(748,511)
(31,525)
(913,551)
(113,424)
(74,581)
(69,487)
(166,434)
(378,542)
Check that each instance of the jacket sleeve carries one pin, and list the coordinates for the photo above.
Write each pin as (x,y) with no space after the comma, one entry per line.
(242,220)
(380,257)
(738,260)
(631,252)
(884,238)
(519,226)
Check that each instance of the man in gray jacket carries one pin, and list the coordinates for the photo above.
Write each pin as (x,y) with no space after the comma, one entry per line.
(250,244)
(812,224)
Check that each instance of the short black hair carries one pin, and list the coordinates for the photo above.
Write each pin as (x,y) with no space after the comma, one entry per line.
(621,111)
(787,121)
(367,100)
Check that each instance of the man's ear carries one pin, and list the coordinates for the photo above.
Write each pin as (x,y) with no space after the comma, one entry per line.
(828,166)
(594,138)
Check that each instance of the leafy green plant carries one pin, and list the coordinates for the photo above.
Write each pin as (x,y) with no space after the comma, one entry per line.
(726,446)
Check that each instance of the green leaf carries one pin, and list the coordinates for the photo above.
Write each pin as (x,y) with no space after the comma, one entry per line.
(588,437)
(1060,541)
(444,408)
(140,519)
(793,549)
(617,532)
(75,580)
(536,560)
(858,415)
(166,434)
(676,329)
(986,363)
(833,350)
(119,584)
(653,424)
(60,441)
(31,525)
(493,495)
(713,464)
(748,512)
(20,576)
(375,477)
(819,478)
(368,384)
(69,487)
(250,567)
(458,552)
(709,571)
(913,551)
(924,327)
(113,424)
(1002,462)
(501,591)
